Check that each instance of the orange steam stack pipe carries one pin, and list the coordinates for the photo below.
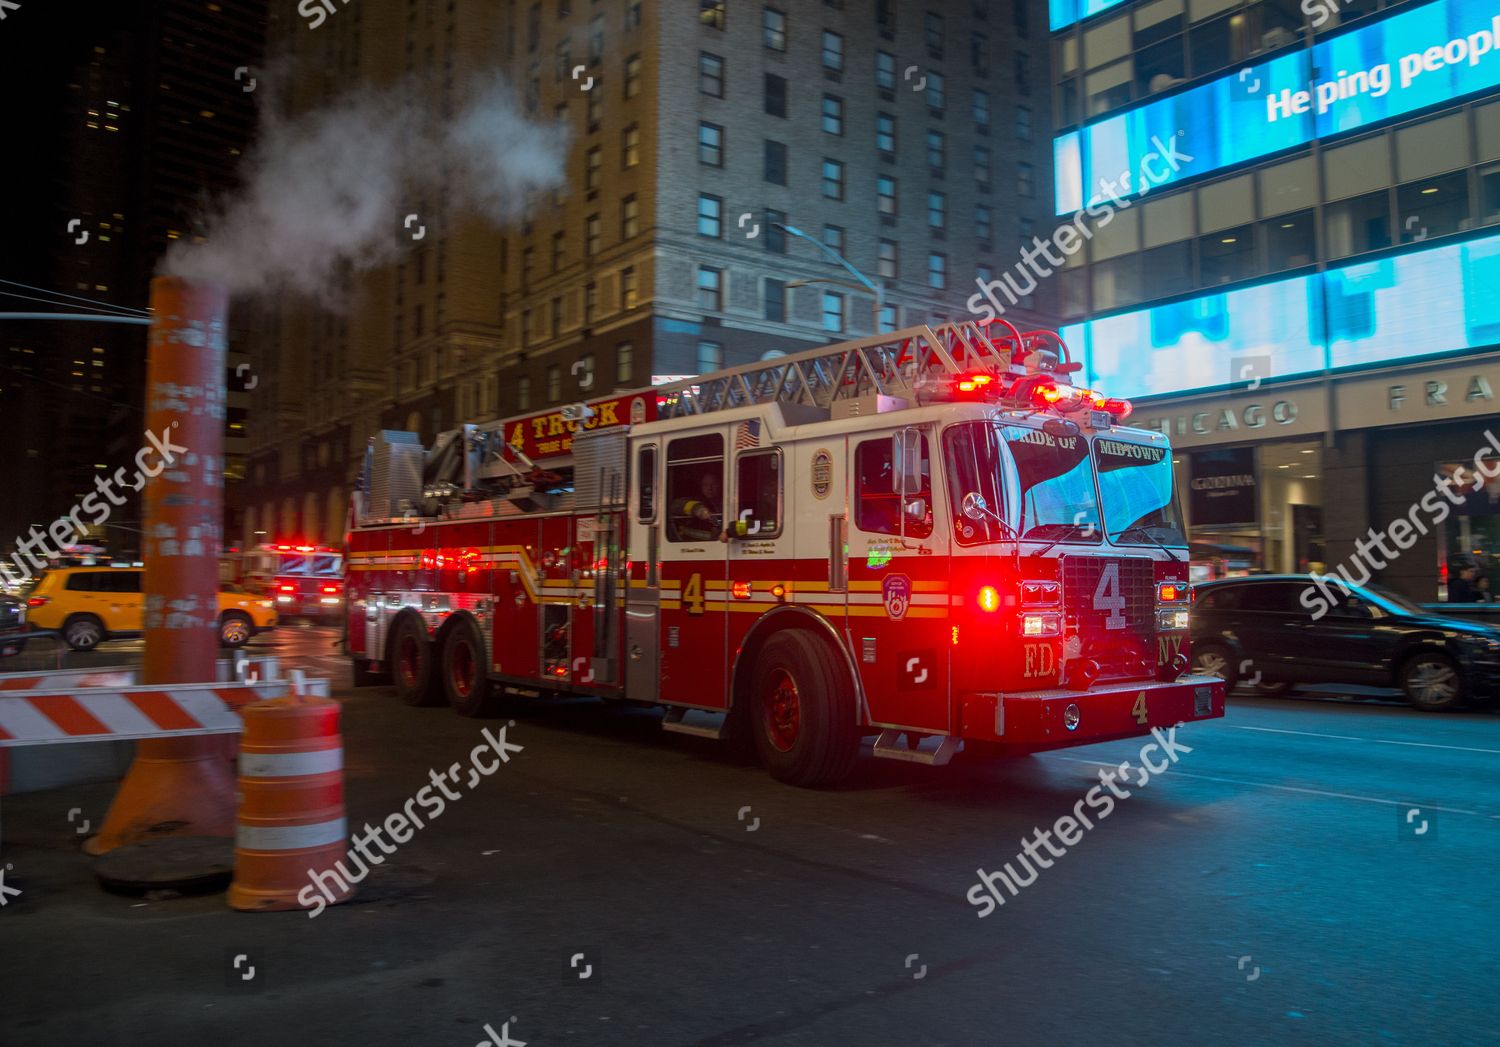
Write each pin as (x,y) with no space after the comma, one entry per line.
(180,786)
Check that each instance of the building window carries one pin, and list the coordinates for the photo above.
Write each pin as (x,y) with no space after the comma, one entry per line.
(595,109)
(833,179)
(586,372)
(630,217)
(710,288)
(775,233)
(937,212)
(710,74)
(1023,123)
(833,115)
(624,363)
(833,52)
(885,195)
(937,151)
(932,34)
(937,270)
(710,357)
(982,229)
(523,392)
(593,161)
(885,71)
(596,39)
(888,260)
(775,95)
(710,216)
(556,316)
(887,318)
(1227,256)
(632,76)
(885,132)
(833,236)
(711,145)
(627,287)
(885,18)
(711,13)
(1290,241)
(417,325)
(833,312)
(528,264)
(559,250)
(1358,225)
(630,147)
(554,384)
(775,162)
(936,98)
(1023,73)
(591,234)
(1025,179)
(979,54)
(590,302)
(982,110)
(1433,207)
(982,167)
(773,29)
(775,300)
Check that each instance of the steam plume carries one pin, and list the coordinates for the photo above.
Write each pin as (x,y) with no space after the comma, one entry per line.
(331,186)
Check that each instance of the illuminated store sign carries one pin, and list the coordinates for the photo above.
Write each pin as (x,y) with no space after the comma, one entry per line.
(1420,304)
(1425,56)
(1066,12)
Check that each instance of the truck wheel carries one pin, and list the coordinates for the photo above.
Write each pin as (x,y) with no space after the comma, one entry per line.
(83,632)
(803,712)
(1214,659)
(466,678)
(411,664)
(1431,682)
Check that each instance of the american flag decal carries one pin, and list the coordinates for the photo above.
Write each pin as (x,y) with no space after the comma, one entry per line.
(748,435)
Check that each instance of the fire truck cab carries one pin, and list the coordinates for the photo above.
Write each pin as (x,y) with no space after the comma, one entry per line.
(931,537)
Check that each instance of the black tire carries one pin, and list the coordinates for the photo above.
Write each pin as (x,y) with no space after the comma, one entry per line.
(11,648)
(83,632)
(1431,682)
(465,672)
(412,668)
(807,735)
(1214,659)
(235,629)
(1274,690)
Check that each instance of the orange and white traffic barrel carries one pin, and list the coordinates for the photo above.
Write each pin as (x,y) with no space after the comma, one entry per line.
(291,815)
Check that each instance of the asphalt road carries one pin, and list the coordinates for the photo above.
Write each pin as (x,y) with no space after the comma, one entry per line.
(1272,887)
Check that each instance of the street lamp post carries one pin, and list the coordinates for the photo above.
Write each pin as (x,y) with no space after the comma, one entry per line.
(865,282)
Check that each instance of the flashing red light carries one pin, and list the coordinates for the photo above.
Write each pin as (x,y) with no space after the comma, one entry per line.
(989,599)
(1170,591)
(1119,408)
(287,547)
(1046,395)
(955,636)
(974,383)
(330,588)
(36,601)
(287,588)
(740,590)
(304,548)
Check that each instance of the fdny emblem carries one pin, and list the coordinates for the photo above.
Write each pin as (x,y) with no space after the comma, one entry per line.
(897,593)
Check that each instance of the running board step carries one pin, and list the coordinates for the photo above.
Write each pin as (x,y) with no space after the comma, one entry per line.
(888,746)
(677,721)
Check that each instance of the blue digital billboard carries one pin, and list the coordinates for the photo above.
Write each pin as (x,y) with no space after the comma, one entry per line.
(1065,12)
(1420,57)
(1409,306)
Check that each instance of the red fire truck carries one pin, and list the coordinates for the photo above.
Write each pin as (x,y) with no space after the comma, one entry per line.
(933,537)
(305,581)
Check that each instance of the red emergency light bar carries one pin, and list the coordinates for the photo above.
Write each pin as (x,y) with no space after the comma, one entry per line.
(1041,394)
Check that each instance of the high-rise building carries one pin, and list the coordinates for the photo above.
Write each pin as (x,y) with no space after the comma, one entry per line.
(137,113)
(710,141)
(1306,297)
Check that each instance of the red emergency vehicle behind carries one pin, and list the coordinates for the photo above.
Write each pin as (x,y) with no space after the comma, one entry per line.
(931,537)
(304,581)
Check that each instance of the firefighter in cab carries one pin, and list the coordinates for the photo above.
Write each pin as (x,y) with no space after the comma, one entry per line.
(696,516)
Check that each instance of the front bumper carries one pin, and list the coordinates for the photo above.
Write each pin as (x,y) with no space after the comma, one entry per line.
(1034,721)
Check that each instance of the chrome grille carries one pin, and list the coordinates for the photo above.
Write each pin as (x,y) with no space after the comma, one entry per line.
(1115,619)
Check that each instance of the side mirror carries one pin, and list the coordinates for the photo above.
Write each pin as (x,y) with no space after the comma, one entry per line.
(975,507)
(916,509)
(906,461)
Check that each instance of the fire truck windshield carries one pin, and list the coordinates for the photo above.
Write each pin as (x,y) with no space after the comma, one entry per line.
(1056,478)
(1135,481)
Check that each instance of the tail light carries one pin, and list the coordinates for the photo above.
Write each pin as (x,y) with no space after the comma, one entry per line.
(988,599)
(287,588)
(330,589)
(1169,592)
(36,601)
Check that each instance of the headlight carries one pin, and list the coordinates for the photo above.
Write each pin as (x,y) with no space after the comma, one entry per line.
(1033,624)
(266,604)
(1171,621)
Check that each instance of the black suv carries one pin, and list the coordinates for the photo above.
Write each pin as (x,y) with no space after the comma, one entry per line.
(1261,631)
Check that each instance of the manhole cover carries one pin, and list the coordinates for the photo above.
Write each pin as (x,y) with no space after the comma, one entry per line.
(179,863)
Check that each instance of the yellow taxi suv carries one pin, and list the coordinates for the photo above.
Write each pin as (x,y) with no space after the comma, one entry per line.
(88,605)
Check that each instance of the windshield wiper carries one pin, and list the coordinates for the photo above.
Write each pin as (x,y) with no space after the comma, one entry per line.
(1149,537)
(1067,532)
